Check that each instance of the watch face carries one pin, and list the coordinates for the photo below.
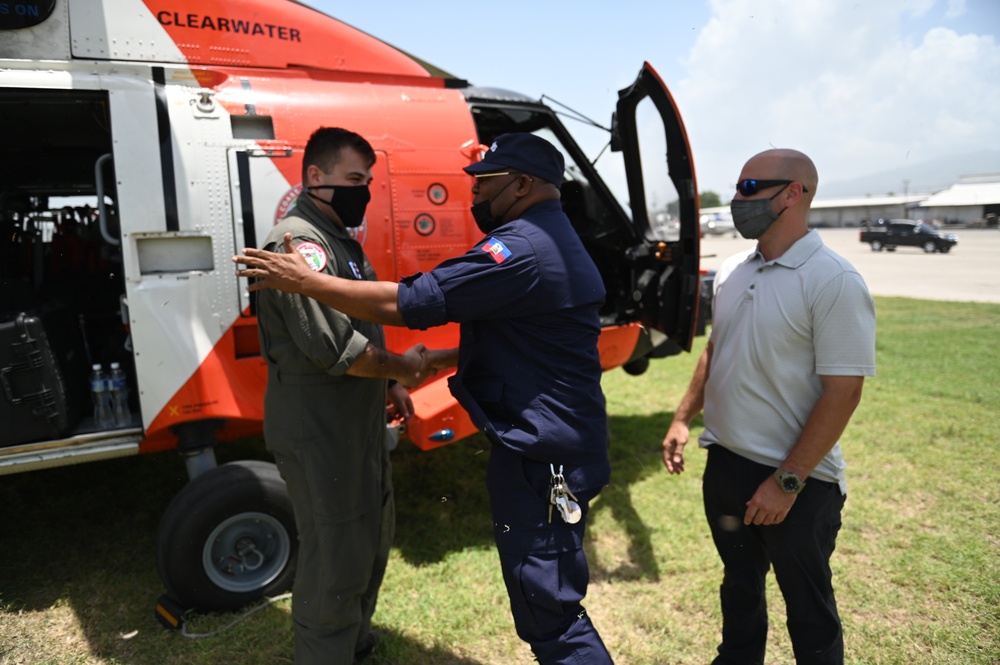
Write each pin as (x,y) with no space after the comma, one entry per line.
(789,482)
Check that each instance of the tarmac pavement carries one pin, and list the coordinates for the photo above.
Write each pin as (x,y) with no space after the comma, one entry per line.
(970,272)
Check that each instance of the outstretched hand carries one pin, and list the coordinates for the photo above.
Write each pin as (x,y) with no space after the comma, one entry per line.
(440,359)
(272,270)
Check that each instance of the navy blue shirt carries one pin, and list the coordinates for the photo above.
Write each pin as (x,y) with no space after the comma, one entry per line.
(526,298)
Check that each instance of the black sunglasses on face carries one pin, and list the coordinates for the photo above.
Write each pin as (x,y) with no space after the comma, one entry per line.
(750,187)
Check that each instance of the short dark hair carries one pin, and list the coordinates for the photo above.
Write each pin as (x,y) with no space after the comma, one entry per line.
(325,144)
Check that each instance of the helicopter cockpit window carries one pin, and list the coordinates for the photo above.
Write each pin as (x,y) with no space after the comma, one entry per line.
(583,208)
(590,212)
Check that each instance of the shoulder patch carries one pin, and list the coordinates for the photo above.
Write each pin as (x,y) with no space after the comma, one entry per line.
(497,250)
(314,255)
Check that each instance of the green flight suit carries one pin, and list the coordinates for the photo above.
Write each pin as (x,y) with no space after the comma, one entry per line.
(327,432)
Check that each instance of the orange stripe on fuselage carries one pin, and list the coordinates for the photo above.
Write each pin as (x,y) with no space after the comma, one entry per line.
(223,386)
(232,389)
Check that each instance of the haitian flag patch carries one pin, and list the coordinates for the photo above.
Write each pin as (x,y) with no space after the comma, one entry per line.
(496,249)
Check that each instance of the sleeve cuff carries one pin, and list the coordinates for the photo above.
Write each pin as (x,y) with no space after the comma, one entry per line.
(421,302)
(355,349)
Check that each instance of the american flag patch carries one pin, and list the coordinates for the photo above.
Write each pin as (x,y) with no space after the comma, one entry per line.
(496,249)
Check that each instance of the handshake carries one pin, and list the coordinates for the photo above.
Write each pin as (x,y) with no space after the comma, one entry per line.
(420,363)
(409,371)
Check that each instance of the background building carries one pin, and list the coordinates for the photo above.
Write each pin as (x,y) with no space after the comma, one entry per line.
(856,210)
(972,201)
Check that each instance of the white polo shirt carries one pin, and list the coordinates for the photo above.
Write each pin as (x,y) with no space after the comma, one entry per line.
(777,326)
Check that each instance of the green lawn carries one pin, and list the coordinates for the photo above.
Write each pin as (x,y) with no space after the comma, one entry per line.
(917,564)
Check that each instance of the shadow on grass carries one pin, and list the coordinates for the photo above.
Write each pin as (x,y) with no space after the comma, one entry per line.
(86,534)
(636,454)
(441,500)
(397,649)
(84,537)
(443,492)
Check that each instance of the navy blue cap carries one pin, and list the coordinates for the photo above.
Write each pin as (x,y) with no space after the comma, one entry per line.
(522,152)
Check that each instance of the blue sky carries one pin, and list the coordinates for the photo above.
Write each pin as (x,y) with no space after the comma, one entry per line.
(861,86)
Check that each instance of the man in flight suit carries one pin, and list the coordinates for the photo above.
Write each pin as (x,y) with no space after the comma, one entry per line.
(325,409)
(526,297)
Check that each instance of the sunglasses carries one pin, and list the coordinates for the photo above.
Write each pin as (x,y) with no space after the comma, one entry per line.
(750,187)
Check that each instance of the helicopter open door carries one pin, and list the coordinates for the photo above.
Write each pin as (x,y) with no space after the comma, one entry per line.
(667,277)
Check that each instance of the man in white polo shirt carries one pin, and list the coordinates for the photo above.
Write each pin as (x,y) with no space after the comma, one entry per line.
(793,336)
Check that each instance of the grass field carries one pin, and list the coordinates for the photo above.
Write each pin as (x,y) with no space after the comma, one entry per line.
(917,567)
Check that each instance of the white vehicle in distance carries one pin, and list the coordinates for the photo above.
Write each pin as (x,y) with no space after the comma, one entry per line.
(717,221)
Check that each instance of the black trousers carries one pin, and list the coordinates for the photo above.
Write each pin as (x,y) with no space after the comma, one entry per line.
(799,549)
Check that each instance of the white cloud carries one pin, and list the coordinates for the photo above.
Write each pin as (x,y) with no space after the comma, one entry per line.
(841,82)
(956,8)
(918,8)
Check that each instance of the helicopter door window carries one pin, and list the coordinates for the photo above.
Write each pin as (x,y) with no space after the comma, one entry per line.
(660,195)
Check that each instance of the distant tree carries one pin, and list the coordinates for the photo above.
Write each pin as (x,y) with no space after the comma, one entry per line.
(709,199)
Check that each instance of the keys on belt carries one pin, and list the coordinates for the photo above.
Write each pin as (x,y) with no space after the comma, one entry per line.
(562,498)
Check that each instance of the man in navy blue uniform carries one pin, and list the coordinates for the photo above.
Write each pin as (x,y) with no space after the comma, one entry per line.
(526,298)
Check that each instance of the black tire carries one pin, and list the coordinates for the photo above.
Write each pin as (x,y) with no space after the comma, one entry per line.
(876,245)
(930,247)
(636,367)
(228,538)
(945,249)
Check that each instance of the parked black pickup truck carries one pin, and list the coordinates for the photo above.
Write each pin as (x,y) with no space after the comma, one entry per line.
(905,233)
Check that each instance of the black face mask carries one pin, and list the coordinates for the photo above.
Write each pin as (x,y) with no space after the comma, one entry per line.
(485,219)
(349,202)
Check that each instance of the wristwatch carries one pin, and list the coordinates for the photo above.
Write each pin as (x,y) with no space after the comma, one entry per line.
(789,482)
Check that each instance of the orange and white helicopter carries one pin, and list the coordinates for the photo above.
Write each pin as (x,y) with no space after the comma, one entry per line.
(148,141)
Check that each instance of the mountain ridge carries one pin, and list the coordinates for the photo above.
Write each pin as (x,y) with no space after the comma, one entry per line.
(919,178)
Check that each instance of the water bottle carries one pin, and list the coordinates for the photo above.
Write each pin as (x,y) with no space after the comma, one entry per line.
(118,389)
(103,417)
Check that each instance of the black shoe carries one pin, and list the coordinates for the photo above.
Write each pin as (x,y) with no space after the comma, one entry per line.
(374,637)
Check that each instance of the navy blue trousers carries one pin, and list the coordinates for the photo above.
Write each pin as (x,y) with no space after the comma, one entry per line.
(799,549)
(544,565)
